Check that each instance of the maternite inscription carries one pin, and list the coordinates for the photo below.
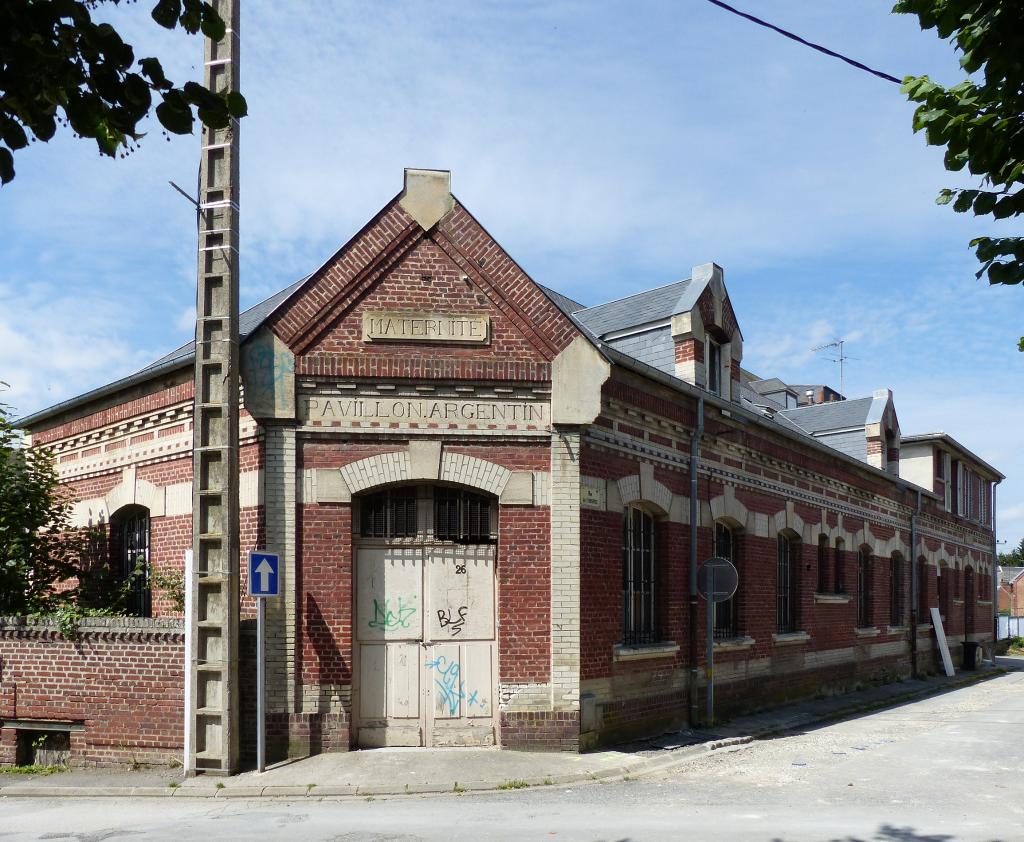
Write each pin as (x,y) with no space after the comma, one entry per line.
(423,410)
(426,327)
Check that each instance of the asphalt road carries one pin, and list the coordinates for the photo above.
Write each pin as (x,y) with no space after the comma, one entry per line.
(942,769)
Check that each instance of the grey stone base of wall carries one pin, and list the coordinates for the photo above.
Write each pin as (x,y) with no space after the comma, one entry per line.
(625,720)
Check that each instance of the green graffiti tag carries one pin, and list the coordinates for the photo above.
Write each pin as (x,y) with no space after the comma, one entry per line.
(385,618)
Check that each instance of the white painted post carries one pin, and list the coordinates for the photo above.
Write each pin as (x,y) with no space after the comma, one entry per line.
(187,765)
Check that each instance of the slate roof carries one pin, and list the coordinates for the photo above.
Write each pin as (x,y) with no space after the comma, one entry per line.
(563,302)
(836,415)
(248,322)
(747,393)
(654,347)
(642,308)
(770,386)
(1009,575)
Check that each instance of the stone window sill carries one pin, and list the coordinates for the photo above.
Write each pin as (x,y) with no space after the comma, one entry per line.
(984,602)
(832,598)
(641,652)
(735,644)
(923,627)
(790,638)
(957,601)
(867,631)
(896,629)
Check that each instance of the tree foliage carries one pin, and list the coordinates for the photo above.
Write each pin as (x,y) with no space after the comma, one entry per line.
(60,67)
(980,120)
(1015,557)
(46,566)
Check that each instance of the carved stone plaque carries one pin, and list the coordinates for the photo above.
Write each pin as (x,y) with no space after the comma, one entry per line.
(382,326)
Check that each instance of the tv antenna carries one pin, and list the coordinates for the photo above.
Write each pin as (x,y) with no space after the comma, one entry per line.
(840,358)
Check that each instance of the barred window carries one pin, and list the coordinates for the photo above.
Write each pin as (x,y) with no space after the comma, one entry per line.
(726,619)
(787,576)
(388,514)
(839,577)
(462,516)
(896,599)
(639,621)
(864,588)
(714,366)
(945,574)
(131,531)
(924,615)
(823,564)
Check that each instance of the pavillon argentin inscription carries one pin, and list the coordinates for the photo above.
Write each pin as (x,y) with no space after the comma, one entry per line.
(424,410)
(426,327)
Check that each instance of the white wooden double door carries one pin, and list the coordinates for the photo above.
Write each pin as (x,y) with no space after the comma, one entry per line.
(426,660)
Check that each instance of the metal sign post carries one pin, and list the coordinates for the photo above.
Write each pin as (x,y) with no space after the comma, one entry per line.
(717,581)
(263,582)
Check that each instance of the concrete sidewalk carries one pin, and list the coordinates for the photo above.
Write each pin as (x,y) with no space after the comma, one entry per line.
(410,771)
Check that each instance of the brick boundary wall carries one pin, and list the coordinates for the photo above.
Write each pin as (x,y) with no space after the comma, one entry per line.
(121,680)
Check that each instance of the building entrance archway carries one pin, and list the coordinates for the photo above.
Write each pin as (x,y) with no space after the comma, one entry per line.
(425,645)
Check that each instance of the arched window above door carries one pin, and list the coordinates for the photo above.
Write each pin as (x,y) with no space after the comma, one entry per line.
(428,512)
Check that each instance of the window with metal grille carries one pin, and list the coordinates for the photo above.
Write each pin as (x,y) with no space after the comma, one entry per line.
(944,573)
(823,564)
(923,614)
(133,538)
(838,576)
(462,516)
(726,619)
(787,573)
(388,514)
(896,590)
(638,597)
(864,588)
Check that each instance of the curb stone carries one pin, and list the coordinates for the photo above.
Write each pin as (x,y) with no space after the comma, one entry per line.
(240,792)
(334,790)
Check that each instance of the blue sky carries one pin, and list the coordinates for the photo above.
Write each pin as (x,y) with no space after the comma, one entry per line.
(608,146)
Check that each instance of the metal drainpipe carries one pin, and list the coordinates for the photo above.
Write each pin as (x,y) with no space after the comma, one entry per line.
(995,583)
(694,462)
(915,587)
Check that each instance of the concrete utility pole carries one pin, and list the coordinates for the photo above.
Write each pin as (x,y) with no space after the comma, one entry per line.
(212,706)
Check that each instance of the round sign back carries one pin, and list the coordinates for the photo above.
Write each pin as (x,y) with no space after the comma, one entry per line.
(717,579)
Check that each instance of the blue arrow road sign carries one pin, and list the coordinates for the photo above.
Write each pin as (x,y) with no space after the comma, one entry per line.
(263,569)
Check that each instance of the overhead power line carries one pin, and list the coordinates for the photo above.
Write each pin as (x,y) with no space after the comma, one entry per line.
(805,42)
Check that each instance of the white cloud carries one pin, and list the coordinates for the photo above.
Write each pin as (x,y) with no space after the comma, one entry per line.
(51,347)
(186,320)
(608,147)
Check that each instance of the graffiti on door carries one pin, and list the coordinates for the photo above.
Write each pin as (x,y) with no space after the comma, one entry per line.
(453,689)
(388,616)
(452,621)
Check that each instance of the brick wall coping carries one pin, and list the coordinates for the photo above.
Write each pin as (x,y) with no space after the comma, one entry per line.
(128,625)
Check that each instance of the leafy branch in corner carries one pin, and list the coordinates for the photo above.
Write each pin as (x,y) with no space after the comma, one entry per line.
(59,67)
(980,121)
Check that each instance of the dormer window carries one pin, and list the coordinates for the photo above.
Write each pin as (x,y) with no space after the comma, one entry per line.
(714,357)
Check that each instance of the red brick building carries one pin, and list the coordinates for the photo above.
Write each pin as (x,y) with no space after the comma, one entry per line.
(489,502)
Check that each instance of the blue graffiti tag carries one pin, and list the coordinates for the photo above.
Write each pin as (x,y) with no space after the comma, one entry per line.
(453,690)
